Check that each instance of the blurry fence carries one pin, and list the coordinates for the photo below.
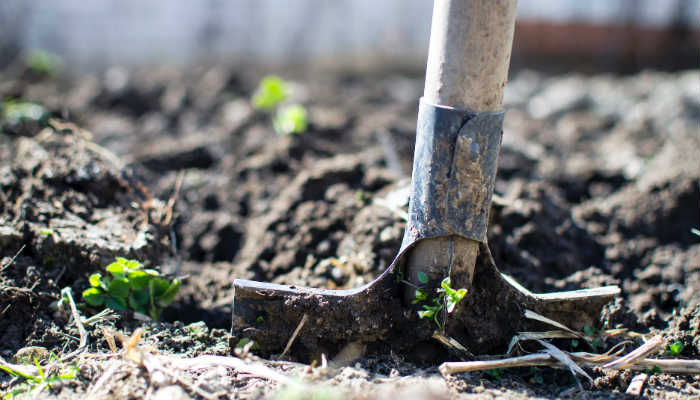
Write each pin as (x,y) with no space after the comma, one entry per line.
(614,34)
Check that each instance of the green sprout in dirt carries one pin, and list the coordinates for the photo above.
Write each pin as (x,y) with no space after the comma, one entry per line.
(42,62)
(131,286)
(33,384)
(15,111)
(269,96)
(290,119)
(675,348)
(446,299)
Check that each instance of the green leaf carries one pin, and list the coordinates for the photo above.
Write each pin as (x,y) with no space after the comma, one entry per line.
(119,288)
(420,295)
(94,297)
(95,280)
(158,286)
(270,93)
(675,348)
(117,268)
(168,296)
(154,313)
(426,314)
(116,303)
(139,279)
(422,277)
(260,319)
(132,265)
(139,298)
(290,119)
(588,330)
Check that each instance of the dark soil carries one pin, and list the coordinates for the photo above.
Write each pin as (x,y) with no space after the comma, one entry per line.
(599,183)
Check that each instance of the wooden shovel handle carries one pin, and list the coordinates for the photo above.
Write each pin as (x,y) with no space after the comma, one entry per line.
(469,54)
(468,59)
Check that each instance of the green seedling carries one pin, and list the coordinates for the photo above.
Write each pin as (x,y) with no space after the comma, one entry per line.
(495,373)
(42,62)
(654,370)
(270,93)
(15,111)
(290,119)
(591,331)
(675,348)
(131,286)
(34,384)
(269,96)
(446,298)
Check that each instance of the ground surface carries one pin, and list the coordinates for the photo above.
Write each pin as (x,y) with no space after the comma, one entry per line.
(599,183)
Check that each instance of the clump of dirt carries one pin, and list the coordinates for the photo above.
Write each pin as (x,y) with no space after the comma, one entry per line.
(66,210)
(598,184)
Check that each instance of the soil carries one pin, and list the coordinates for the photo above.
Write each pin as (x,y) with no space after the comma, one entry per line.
(598,184)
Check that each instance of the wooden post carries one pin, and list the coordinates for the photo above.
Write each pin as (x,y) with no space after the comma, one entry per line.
(468,59)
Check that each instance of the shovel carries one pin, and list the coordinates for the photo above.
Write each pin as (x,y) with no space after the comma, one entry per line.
(458,140)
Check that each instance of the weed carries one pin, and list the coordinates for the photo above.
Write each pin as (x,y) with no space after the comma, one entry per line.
(290,119)
(446,299)
(270,93)
(46,231)
(131,286)
(675,348)
(15,111)
(654,370)
(42,62)
(35,384)
(269,96)
(495,373)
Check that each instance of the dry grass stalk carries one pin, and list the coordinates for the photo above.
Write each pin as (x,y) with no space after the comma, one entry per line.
(523,336)
(668,366)
(564,358)
(294,335)
(637,385)
(651,346)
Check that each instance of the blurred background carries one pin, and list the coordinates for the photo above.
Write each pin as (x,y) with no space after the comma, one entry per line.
(621,36)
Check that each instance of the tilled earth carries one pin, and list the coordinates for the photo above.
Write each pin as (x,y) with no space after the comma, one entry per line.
(599,183)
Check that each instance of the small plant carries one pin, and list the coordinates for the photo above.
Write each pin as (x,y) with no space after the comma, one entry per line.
(42,62)
(270,93)
(34,384)
(495,373)
(675,348)
(131,286)
(15,111)
(269,96)
(290,119)
(446,299)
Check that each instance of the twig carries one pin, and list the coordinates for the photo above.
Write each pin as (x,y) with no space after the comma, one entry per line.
(522,336)
(529,314)
(67,293)
(644,350)
(229,362)
(453,345)
(637,385)
(294,335)
(564,358)
(12,260)
(668,366)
